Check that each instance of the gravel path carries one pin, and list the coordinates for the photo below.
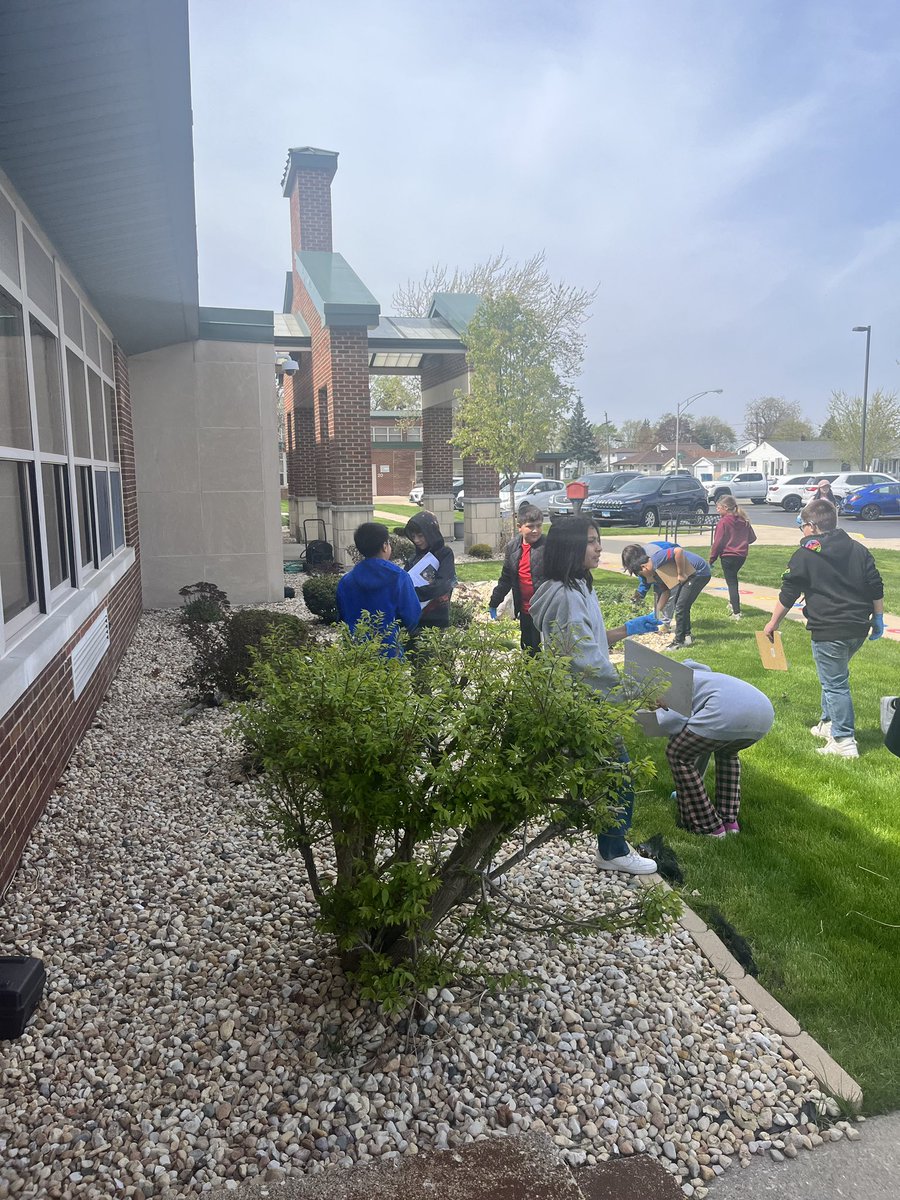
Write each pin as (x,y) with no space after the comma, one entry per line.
(195,1028)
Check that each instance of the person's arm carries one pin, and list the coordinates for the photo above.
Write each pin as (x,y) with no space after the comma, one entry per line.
(409,609)
(779,613)
(504,583)
(444,579)
(681,564)
(662,599)
(718,539)
(751,535)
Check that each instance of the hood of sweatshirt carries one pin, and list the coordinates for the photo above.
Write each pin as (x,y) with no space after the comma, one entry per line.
(426,523)
(370,575)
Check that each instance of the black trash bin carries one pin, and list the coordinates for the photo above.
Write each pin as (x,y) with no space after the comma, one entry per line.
(21,987)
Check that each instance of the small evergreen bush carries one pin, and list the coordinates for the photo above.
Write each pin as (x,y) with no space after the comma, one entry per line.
(320,597)
(204,603)
(462,613)
(480,550)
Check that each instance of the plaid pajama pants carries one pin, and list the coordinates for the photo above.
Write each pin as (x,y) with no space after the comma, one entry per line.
(688,754)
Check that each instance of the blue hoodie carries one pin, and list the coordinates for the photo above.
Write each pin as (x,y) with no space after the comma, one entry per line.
(378,586)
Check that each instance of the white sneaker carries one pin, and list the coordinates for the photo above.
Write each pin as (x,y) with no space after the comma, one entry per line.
(736,616)
(688,640)
(822,730)
(729,609)
(843,747)
(631,863)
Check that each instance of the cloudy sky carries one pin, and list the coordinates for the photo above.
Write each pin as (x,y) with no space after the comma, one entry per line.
(726,174)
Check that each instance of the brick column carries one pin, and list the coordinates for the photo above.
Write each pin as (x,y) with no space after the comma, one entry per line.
(437,464)
(482,515)
(301,445)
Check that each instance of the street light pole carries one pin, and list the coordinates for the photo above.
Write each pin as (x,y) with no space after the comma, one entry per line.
(867,330)
(681,406)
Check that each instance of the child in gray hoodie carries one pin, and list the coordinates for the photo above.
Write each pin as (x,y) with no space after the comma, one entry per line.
(727,715)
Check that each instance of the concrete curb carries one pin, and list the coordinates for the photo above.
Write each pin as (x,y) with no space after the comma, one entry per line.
(831,1075)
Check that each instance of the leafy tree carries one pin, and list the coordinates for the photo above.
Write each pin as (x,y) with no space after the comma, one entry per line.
(563,309)
(579,441)
(774,417)
(516,401)
(882,426)
(713,431)
(410,789)
(665,430)
(636,434)
(395,393)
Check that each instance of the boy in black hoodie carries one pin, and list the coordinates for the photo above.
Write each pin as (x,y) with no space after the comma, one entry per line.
(844,605)
(425,534)
(521,574)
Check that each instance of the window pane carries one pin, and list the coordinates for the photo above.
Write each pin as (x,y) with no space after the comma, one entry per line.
(106,355)
(47,390)
(9,251)
(71,314)
(39,276)
(15,417)
(56,518)
(104,524)
(115,484)
(95,389)
(85,516)
(112,422)
(91,338)
(18,576)
(78,410)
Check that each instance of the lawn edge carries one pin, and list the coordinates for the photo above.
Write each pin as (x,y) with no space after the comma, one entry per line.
(831,1076)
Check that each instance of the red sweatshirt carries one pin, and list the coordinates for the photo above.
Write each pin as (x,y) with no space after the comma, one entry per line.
(734,535)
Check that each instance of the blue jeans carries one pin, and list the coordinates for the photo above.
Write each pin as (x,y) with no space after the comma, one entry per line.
(832,661)
(612,843)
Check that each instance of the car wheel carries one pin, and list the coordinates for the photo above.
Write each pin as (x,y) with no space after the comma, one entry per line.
(700,513)
(758,501)
(871,512)
(791,504)
(650,518)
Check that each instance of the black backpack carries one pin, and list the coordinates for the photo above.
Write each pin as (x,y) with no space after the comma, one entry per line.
(318,554)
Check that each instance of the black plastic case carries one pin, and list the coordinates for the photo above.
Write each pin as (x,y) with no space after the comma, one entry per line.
(21,987)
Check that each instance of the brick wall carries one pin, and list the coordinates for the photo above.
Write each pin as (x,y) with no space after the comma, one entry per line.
(310,203)
(437,453)
(402,474)
(43,727)
(479,480)
(439,368)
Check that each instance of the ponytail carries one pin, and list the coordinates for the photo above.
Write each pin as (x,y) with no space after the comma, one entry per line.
(732,508)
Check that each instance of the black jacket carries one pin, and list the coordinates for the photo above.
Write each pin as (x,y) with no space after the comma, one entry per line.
(509,575)
(839,580)
(437,611)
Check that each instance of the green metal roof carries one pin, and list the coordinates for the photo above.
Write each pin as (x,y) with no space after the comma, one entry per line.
(236,325)
(456,308)
(340,296)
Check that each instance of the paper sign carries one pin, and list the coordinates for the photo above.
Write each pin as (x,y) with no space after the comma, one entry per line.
(668,573)
(424,570)
(646,718)
(771,653)
(642,663)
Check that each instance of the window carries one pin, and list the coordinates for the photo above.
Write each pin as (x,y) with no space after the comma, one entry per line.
(61,505)
(381,433)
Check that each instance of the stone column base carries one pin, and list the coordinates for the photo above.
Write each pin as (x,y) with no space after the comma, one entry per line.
(482,521)
(442,507)
(344,521)
(300,509)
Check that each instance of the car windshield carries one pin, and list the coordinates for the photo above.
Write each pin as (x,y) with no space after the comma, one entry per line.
(619,482)
(728,475)
(594,482)
(640,486)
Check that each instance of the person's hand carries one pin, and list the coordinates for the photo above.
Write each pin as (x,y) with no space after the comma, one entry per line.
(770,629)
(648,623)
(877,627)
(682,578)
(493,613)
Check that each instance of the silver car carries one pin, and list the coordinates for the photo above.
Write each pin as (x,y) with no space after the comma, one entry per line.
(531,491)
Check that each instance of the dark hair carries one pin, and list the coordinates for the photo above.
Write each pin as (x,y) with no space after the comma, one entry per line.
(822,514)
(633,558)
(566,547)
(369,538)
(529,512)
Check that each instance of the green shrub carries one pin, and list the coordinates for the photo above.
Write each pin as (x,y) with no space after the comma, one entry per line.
(480,550)
(462,613)
(402,550)
(204,603)
(616,604)
(409,787)
(225,646)
(320,597)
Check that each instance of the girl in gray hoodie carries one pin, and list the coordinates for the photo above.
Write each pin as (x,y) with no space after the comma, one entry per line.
(567,613)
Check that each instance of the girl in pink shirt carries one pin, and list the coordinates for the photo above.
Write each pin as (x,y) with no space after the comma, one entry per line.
(733,537)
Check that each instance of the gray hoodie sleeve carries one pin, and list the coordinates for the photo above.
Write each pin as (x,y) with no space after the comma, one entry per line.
(571,623)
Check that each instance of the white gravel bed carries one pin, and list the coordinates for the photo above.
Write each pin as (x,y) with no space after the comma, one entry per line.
(196,1030)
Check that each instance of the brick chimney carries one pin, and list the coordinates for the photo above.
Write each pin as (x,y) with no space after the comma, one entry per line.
(307,184)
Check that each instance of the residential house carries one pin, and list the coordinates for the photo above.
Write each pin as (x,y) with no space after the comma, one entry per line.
(818,456)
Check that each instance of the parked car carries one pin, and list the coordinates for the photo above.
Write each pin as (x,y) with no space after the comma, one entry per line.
(743,485)
(416,493)
(525,477)
(790,490)
(874,501)
(533,491)
(850,481)
(648,499)
(599,483)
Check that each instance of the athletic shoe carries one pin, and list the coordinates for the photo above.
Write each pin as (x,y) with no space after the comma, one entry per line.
(842,747)
(717,833)
(631,863)
(822,730)
(736,616)
(732,827)
(688,640)
(676,645)
(729,609)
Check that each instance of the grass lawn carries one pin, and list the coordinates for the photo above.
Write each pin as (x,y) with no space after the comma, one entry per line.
(813,881)
(765,565)
(399,510)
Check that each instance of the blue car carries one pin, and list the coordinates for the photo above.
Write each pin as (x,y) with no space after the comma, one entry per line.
(870,503)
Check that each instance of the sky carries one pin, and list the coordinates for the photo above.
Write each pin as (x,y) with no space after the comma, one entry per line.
(725,175)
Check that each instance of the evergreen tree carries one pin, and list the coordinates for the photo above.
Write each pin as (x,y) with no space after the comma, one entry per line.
(579,440)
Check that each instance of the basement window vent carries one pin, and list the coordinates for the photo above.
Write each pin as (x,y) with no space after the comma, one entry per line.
(89,652)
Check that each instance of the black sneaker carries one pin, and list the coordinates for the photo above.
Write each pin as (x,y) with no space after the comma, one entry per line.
(676,645)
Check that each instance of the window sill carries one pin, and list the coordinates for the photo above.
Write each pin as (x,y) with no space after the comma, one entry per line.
(39,645)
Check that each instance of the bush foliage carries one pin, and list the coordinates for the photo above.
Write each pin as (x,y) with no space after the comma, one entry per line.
(481,550)
(320,597)
(410,786)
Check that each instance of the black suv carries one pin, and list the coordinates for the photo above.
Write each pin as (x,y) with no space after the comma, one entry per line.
(598,485)
(649,499)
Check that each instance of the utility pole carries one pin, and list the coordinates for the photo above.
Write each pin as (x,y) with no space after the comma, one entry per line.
(606,423)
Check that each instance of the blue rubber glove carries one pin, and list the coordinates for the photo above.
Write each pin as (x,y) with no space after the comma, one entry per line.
(877,627)
(493,613)
(645,624)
